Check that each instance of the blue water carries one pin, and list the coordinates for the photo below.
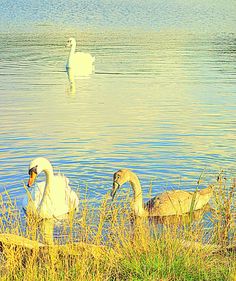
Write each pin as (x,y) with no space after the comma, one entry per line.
(161,101)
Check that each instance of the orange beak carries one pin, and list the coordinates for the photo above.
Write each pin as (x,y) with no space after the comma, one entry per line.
(32,179)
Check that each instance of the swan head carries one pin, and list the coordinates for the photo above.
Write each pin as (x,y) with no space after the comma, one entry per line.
(119,178)
(71,42)
(36,166)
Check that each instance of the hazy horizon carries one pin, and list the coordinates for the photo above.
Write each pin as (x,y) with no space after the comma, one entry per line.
(157,15)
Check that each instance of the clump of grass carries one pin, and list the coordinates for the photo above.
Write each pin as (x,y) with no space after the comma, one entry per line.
(112,248)
(225,211)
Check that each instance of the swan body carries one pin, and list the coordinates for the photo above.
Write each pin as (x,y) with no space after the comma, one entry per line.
(52,198)
(169,203)
(79,63)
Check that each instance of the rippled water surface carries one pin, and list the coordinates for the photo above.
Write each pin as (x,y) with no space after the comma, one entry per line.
(160,103)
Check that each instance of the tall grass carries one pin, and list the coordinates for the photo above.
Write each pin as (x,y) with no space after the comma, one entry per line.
(113,248)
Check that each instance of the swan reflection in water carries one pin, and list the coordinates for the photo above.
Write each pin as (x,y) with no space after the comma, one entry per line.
(71,78)
(77,83)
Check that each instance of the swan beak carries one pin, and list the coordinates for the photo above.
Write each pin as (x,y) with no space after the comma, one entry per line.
(32,178)
(116,186)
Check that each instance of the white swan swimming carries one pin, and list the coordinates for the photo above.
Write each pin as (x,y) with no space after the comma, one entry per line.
(51,199)
(81,64)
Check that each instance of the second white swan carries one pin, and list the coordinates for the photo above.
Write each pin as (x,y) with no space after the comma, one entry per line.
(79,63)
(52,198)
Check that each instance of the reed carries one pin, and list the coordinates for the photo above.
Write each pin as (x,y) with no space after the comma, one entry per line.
(114,248)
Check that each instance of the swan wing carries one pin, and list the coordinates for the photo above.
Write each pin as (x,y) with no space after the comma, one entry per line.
(80,64)
(61,199)
(177,202)
(71,198)
(84,57)
(168,203)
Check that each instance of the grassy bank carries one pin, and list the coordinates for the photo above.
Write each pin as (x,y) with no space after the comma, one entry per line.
(143,251)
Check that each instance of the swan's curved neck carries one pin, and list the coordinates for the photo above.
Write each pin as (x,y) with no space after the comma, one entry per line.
(72,49)
(138,197)
(49,176)
(46,194)
(71,54)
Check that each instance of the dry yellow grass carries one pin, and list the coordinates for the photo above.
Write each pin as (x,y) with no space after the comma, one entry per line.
(109,247)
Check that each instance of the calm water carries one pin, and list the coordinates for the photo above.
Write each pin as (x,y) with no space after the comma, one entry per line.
(160,103)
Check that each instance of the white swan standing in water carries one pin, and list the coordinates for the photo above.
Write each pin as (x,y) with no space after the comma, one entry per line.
(53,198)
(79,63)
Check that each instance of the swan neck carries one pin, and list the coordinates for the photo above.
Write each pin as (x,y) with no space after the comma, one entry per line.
(138,197)
(49,177)
(71,54)
(72,49)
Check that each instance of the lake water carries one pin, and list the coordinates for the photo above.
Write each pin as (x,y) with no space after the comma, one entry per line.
(159,103)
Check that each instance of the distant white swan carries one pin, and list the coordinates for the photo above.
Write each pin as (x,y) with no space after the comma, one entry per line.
(80,63)
(51,199)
